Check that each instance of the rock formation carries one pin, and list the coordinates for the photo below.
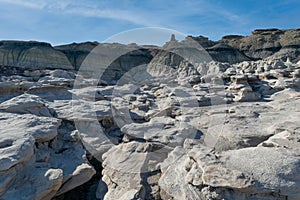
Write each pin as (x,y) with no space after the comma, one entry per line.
(266,42)
(32,55)
(193,119)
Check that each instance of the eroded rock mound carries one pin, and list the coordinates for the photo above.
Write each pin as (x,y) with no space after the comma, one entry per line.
(32,55)
(266,42)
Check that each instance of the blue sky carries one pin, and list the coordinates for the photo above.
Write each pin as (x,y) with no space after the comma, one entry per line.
(66,21)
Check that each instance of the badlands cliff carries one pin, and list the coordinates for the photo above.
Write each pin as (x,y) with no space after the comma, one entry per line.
(193,119)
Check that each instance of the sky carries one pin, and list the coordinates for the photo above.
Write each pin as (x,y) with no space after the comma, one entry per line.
(67,21)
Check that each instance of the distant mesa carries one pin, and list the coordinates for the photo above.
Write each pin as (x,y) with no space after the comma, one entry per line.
(231,48)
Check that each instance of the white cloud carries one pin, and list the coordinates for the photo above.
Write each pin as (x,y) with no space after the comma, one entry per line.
(169,13)
(29,4)
(87,9)
(110,14)
(106,9)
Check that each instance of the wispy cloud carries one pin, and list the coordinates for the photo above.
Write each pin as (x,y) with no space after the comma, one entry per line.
(157,14)
(110,14)
(85,9)
(28,4)
(103,18)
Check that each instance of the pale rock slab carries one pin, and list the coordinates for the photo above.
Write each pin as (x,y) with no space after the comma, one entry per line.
(128,167)
(27,104)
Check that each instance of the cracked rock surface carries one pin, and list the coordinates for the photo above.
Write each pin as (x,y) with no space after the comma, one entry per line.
(155,125)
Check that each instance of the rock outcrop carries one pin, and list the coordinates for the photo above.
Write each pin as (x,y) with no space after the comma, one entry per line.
(194,119)
(32,55)
(76,52)
(266,42)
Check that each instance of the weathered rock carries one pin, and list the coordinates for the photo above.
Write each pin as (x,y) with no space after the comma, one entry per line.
(50,92)
(17,142)
(264,43)
(129,169)
(32,55)
(93,93)
(79,175)
(161,129)
(76,52)
(274,169)
(197,173)
(43,184)
(11,88)
(224,53)
(81,110)
(241,89)
(33,147)
(174,124)
(26,104)
(58,77)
